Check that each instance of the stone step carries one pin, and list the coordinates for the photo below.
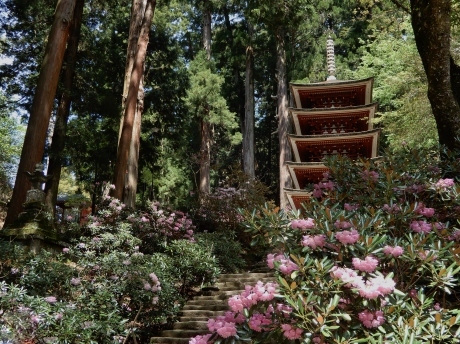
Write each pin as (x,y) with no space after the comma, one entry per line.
(209,302)
(212,302)
(192,325)
(214,307)
(166,340)
(183,333)
(197,313)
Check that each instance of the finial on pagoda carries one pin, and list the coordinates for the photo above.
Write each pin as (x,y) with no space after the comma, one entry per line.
(330,59)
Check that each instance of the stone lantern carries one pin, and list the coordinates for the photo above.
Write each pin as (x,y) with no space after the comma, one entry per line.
(34,227)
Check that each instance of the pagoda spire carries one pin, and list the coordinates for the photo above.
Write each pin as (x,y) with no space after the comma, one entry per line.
(330,59)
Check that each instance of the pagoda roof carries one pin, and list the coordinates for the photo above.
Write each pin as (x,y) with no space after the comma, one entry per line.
(334,93)
(297,197)
(333,120)
(304,173)
(314,148)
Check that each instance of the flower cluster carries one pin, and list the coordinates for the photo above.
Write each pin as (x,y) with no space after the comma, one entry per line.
(314,241)
(318,188)
(286,266)
(444,184)
(347,237)
(371,319)
(303,224)
(270,314)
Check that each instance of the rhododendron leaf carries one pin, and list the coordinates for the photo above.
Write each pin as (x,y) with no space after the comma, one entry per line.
(293,285)
(283,282)
(438,318)
(452,321)
(320,319)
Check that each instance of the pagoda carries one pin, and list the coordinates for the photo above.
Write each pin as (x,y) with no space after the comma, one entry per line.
(329,118)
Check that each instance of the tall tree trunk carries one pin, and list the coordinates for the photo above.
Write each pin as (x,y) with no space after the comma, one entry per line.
(131,103)
(137,15)
(283,120)
(42,105)
(129,197)
(62,116)
(248,138)
(206,128)
(431,24)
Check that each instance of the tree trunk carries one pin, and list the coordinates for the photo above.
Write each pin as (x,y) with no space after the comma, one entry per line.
(283,120)
(42,105)
(431,24)
(248,138)
(62,116)
(137,14)
(131,103)
(205,127)
(133,160)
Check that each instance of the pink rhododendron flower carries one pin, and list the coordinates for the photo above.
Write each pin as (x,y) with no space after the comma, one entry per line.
(75,281)
(370,176)
(420,226)
(422,210)
(371,319)
(50,299)
(65,250)
(235,303)
(393,251)
(303,224)
(343,224)
(391,209)
(369,264)
(444,183)
(286,265)
(258,322)
(227,330)
(347,237)
(348,276)
(314,241)
(291,332)
(427,254)
(200,339)
(384,285)
(350,207)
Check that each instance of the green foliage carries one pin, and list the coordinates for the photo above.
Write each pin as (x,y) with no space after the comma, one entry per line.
(225,247)
(399,88)
(386,203)
(194,263)
(204,98)
(104,287)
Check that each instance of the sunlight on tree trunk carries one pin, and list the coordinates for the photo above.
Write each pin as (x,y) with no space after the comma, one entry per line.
(42,106)
(121,164)
(248,139)
(62,116)
(283,120)
(206,127)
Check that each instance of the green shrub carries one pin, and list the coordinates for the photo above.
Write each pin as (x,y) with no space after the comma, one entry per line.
(224,248)
(372,258)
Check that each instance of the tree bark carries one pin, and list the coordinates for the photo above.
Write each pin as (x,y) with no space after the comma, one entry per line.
(283,120)
(42,105)
(137,14)
(248,132)
(131,103)
(129,197)
(62,116)
(431,24)
(205,127)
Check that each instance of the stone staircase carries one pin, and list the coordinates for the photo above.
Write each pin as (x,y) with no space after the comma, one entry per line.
(211,303)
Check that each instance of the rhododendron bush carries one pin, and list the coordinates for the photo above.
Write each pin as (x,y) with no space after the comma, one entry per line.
(107,285)
(372,258)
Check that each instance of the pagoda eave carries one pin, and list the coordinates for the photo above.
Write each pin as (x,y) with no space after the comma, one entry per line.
(314,148)
(305,173)
(336,93)
(333,120)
